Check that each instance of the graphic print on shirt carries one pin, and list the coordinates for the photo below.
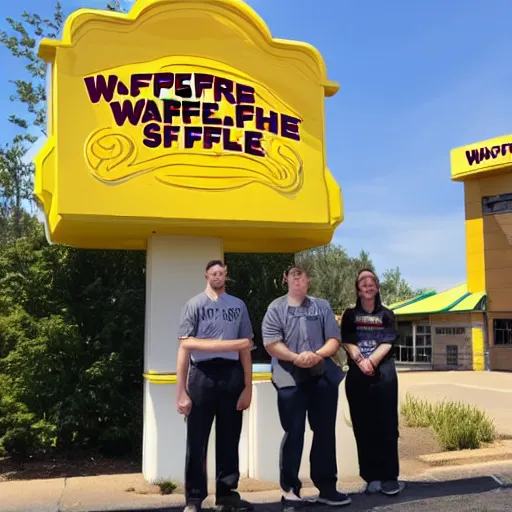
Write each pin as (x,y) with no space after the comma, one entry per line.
(369,333)
(208,313)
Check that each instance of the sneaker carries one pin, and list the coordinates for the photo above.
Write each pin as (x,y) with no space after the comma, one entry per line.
(392,487)
(192,508)
(233,503)
(290,502)
(333,499)
(373,487)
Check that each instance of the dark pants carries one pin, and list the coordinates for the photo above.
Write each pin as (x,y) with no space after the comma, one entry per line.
(214,388)
(317,398)
(373,403)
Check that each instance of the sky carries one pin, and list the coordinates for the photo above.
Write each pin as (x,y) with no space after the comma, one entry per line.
(417,80)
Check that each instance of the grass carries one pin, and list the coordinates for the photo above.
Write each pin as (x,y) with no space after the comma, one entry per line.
(166,486)
(458,426)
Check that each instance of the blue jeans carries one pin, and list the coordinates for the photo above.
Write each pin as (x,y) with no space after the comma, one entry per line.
(317,398)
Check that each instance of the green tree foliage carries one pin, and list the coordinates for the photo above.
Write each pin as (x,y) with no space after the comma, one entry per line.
(257,279)
(333,275)
(71,344)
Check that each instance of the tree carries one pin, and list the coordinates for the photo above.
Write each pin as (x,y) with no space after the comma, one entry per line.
(15,191)
(334,273)
(257,279)
(31,92)
(394,287)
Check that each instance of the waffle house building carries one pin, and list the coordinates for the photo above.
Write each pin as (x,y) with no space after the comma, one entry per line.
(469,327)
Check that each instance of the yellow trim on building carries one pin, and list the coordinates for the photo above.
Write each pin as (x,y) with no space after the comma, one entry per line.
(475,256)
(477,336)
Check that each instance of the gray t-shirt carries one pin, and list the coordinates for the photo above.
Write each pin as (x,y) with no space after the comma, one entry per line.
(303,328)
(226,318)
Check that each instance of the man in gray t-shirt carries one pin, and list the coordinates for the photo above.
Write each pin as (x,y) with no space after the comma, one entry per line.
(301,334)
(214,380)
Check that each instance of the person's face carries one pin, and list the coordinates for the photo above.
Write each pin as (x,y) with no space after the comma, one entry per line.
(368,288)
(216,277)
(298,281)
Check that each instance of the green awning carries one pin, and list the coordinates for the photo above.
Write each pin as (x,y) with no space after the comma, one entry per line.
(454,300)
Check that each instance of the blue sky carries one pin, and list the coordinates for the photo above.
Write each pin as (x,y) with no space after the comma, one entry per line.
(417,79)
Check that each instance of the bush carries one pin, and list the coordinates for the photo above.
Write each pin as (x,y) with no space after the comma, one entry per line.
(458,426)
(166,486)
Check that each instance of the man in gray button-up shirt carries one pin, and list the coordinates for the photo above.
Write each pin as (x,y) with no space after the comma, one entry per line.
(301,334)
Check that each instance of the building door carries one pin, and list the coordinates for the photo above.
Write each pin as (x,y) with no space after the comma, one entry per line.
(452,347)
(452,355)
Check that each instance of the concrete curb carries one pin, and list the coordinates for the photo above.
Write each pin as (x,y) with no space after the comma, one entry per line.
(500,451)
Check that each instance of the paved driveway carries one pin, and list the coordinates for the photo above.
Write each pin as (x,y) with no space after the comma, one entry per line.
(489,391)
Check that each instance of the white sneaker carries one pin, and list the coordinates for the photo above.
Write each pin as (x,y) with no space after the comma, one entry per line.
(291,496)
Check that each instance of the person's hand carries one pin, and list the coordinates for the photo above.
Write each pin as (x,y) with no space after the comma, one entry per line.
(183,403)
(307,359)
(366,367)
(244,401)
(246,344)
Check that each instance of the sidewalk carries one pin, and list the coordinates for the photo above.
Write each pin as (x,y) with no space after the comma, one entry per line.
(456,487)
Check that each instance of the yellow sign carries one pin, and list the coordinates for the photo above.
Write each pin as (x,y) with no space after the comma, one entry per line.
(212,128)
(488,156)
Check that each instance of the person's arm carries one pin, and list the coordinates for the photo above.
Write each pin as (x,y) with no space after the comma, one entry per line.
(331,332)
(273,337)
(349,336)
(188,330)
(182,365)
(246,332)
(387,340)
(188,326)
(211,345)
(349,343)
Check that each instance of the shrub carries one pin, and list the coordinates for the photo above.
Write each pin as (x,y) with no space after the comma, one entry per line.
(458,426)
(166,486)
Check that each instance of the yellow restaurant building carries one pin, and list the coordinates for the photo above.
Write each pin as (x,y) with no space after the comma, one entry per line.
(470,326)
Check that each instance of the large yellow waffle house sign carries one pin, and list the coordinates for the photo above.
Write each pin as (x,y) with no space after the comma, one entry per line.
(185,117)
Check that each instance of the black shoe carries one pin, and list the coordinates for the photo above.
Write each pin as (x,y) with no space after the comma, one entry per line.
(291,505)
(392,487)
(334,499)
(233,503)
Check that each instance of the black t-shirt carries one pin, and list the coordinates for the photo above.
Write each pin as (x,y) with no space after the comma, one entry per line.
(368,330)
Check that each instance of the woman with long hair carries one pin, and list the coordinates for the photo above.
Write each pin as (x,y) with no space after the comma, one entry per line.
(368,332)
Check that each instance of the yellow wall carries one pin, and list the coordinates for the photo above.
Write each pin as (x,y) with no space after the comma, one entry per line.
(489,254)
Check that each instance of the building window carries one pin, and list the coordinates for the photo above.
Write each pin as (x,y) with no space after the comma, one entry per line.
(452,355)
(404,351)
(423,344)
(502,332)
(450,331)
